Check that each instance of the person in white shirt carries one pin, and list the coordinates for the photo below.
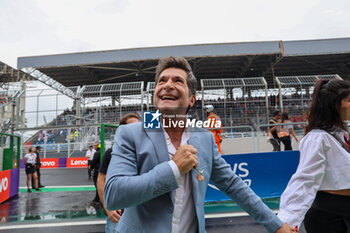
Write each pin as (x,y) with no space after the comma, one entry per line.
(319,191)
(90,155)
(29,162)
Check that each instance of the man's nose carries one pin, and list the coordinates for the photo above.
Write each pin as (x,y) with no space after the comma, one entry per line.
(169,84)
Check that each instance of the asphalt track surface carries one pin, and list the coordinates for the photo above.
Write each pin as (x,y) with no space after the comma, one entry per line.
(64,205)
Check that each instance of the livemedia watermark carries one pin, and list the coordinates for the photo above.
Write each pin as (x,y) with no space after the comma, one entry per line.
(153,120)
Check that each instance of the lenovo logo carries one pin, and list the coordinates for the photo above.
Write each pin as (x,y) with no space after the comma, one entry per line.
(4,184)
(78,162)
(48,163)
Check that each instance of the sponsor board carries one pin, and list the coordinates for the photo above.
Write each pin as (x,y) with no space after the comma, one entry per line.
(77,162)
(60,162)
(4,185)
(267,173)
(49,163)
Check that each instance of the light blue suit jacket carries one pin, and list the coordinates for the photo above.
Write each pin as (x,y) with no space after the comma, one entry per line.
(140,180)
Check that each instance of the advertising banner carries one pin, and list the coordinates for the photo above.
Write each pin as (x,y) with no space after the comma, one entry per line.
(49,163)
(266,173)
(77,162)
(14,184)
(5,179)
(60,162)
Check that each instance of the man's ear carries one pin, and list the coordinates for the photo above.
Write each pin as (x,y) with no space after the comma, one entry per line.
(192,100)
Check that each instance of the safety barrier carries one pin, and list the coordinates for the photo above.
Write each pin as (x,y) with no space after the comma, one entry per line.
(61,162)
(266,173)
(9,160)
(9,184)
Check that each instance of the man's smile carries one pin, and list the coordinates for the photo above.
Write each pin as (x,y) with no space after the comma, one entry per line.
(168,97)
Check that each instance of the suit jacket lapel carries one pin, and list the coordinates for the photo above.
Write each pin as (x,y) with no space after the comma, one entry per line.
(158,139)
(194,141)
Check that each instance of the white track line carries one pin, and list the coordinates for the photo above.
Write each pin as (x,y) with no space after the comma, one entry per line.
(71,186)
(230,214)
(61,224)
(98,222)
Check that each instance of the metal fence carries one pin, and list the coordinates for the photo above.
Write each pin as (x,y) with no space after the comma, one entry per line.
(94,104)
(149,96)
(107,103)
(45,107)
(238,101)
(65,141)
(294,93)
(74,141)
(11,95)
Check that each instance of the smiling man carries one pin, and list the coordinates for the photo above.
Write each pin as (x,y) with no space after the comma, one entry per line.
(160,176)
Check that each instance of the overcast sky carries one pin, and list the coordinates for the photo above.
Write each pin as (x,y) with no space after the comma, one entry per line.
(41,27)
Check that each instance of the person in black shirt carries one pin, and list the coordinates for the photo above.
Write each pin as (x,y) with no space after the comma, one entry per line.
(112,216)
(274,140)
(105,162)
(94,167)
(37,167)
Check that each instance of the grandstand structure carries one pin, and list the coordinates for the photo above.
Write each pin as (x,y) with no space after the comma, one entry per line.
(12,86)
(245,82)
(238,101)
(294,92)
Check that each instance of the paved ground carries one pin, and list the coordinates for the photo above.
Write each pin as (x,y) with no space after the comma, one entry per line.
(218,225)
(64,205)
(60,177)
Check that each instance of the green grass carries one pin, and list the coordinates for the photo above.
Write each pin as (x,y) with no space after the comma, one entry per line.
(64,189)
(230,206)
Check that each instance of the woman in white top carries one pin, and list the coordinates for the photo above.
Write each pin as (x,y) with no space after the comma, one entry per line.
(319,191)
(285,132)
(29,162)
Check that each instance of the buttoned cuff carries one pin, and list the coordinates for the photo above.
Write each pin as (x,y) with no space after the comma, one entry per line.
(175,169)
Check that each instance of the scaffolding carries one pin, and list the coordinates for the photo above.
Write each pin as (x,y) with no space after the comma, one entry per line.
(64,124)
(107,103)
(238,101)
(48,107)
(149,96)
(295,92)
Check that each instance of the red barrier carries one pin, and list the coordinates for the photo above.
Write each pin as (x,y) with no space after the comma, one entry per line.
(5,179)
(49,163)
(77,162)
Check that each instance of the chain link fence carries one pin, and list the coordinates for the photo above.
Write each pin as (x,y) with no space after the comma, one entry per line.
(62,124)
(238,101)
(294,93)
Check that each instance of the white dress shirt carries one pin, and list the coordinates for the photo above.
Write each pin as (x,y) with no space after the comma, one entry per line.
(324,165)
(184,216)
(90,154)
